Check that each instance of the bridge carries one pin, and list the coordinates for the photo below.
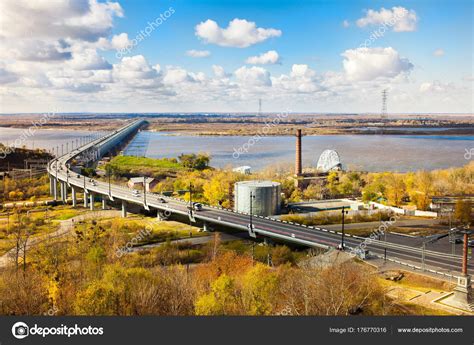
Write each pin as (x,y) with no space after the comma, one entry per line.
(63,171)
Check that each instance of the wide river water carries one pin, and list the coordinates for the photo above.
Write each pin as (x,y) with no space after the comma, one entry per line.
(365,152)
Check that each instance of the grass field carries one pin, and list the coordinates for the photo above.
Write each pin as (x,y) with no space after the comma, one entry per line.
(135,162)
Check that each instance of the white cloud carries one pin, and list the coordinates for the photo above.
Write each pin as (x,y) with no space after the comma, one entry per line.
(198,53)
(175,75)
(253,76)
(302,79)
(270,57)
(371,63)
(7,76)
(35,50)
(81,19)
(219,71)
(119,42)
(240,33)
(438,52)
(302,71)
(398,17)
(136,72)
(346,24)
(88,60)
(436,87)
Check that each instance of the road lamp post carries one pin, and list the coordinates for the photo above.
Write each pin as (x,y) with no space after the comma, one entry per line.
(252,197)
(110,185)
(342,236)
(144,190)
(191,198)
(423,256)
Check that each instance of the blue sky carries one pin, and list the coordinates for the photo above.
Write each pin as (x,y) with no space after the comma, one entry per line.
(312,32)
(318,62)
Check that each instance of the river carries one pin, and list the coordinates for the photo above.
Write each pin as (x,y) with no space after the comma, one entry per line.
(365,152)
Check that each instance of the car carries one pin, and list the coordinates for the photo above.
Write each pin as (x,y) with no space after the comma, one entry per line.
(163,201)
(197,206)
(293,235)
(78,176)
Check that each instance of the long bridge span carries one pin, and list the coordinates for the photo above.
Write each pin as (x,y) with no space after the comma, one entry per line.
(64,180)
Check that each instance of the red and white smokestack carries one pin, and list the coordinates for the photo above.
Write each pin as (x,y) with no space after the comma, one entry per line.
(298,166)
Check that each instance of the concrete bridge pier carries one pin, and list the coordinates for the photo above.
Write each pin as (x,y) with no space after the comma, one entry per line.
(74,196)
(104,203)
(205,227)
(55,189)
(51,185)
(91,201)
(63,191)
(124,209)
(86,200)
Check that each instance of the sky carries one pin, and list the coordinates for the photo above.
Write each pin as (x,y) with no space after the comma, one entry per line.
(223,56)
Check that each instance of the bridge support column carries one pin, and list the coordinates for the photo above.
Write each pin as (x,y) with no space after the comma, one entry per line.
(74,196)
(86,200)
(91,201)
(55,189)
(51,185)
(62,185)
(104,202)
(205,227)
(65,192)
(124,209)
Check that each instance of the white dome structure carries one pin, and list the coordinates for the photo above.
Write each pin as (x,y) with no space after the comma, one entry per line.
(329,160)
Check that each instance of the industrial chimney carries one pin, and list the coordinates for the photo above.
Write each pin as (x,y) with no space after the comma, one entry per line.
(298,167)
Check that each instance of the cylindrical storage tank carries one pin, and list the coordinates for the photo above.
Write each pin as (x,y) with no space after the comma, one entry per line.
(266,200)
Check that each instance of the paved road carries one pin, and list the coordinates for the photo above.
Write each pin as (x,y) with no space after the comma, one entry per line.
(403,248)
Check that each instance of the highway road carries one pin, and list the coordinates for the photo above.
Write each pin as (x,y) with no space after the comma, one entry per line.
(402,249)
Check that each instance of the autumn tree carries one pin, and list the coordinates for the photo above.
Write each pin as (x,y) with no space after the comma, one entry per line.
(223,299)
(395,189)
(462,211)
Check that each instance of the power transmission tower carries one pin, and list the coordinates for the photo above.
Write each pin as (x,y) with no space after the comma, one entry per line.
(383,114)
